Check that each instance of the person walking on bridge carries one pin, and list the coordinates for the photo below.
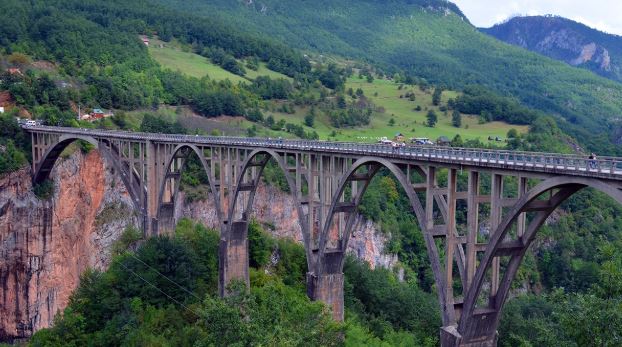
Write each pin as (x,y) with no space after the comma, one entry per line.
(593,161)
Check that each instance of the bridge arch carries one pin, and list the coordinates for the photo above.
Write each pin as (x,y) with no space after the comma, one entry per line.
(476,322)
(46,164)
(169,174)
(264,156)
(374,165)
(109,153)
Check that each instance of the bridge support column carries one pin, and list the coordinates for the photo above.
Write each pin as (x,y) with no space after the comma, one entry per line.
(150,184)
(233,256)
(450,337)
(166,220)
(327,288)
(326,283)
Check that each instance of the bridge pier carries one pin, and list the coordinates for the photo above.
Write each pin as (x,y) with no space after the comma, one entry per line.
(327,288)
(450,337)
(233,257)
(325,284)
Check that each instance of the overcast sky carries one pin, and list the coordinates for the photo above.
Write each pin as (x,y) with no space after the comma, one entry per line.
(604,15)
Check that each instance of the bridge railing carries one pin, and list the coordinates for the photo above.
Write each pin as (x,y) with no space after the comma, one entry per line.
(566,162)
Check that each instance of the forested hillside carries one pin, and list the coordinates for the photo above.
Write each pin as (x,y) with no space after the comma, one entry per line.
(433,40)
(60,57)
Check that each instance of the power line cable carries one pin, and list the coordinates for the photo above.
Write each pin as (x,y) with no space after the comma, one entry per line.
(161,291)
(170,280)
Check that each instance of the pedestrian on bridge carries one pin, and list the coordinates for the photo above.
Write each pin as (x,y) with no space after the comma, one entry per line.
(593,161)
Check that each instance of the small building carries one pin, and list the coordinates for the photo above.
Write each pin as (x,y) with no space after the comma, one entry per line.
(97,113)
(1,109)
(443,141)
(145,40)
(399,137)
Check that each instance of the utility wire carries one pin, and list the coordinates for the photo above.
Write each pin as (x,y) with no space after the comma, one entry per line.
(161,291)
(159,273)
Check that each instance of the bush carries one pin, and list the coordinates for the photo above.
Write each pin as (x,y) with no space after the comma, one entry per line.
(44,190)
(11,158)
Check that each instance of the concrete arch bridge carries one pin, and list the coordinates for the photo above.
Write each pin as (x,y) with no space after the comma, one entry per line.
(473,270)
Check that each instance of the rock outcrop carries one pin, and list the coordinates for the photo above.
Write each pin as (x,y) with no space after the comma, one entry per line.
(277,210)
(565,40)
(46,245)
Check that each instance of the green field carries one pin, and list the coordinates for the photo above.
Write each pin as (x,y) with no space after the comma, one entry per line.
(173,57)
(264,71)
(190,64)
(384,94)
(407,121)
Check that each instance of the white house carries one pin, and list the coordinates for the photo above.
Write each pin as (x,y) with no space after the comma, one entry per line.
(1,109)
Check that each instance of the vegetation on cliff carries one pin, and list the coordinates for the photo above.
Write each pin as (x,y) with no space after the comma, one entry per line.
(164,294)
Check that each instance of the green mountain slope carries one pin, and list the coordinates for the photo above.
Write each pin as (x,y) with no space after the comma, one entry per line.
(566,40)
(431,39)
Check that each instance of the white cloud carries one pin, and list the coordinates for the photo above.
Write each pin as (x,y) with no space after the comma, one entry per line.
(603,15)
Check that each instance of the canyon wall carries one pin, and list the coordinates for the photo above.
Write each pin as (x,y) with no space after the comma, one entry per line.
(277,211)
(46,245)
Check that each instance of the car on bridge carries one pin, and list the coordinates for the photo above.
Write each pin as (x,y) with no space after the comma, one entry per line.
(421,141)
(385,141)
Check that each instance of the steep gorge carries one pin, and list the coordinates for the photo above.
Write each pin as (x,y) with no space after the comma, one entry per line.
(46,245)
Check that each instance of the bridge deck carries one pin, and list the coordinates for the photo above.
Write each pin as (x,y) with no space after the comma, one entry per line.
(526,162)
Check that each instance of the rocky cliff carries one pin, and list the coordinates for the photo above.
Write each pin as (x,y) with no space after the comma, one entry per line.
(277,210)
(46,245)
(566,40)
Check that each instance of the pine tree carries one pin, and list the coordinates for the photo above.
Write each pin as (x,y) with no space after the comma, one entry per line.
(436,97)
(432,118)
(456,119)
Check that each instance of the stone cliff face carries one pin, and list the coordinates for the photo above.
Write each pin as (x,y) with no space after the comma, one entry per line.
(46,245)
(276,209)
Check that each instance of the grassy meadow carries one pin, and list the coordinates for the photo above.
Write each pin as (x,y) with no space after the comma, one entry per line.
(173,56)
(385,94)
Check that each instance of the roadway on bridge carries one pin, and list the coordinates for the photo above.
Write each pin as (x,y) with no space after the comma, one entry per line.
(550,163)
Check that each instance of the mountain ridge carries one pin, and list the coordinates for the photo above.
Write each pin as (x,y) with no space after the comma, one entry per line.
(564,39)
